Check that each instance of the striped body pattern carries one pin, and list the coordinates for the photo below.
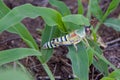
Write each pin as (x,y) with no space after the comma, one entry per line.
(56,42)
(70,39)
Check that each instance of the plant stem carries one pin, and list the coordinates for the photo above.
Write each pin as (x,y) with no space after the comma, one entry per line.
(97,27)
(45,66)
(104,59)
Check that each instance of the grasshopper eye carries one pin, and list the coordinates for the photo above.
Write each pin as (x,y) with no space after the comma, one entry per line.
(87,30)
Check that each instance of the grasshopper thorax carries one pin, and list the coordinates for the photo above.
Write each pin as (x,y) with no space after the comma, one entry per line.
(82,32)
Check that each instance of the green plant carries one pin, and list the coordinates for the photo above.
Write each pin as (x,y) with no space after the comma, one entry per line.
(58,24)
(113,76)
(14,74)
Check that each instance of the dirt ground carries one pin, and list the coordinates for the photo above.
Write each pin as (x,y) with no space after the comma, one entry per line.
(59,63)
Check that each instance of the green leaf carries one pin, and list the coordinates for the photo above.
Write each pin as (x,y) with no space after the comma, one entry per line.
(97,61)
(71,27)
(94,45)
(107,78)
(60,6)
(3,9)
(50,16)
(100,59)
(48,34)
(101,66)
(25,35)
(112,6)
(114,23)
(11,55)
(22,31)
(115,74)
(94,9)
(19,28)
(90,55)
(79,61)
(76,19)
(80,7)
(89,10)
(14,74)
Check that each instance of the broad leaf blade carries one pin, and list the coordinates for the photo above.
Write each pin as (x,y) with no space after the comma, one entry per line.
(114,23)
(60,6)
(6,74)
(71,27)
(18,28)
(79,61)
(11,55)
(76,19)
(115,74)
(50,16)
(107,78)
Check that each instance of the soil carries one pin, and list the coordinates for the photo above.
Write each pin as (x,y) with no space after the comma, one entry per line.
(59,63)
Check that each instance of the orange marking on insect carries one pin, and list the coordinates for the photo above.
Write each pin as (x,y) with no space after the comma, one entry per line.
(73,35)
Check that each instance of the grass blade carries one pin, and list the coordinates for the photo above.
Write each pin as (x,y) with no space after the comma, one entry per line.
(103,59)
(89,10)
(11,55)
(62,8)
(80,7)
(94,9)
(112,6)
(46,67)
(22,31)
(90,55)
(3,9)
(104,68)
(97,62)
(114,23)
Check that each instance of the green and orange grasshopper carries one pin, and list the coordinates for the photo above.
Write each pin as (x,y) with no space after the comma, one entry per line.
(70,39)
